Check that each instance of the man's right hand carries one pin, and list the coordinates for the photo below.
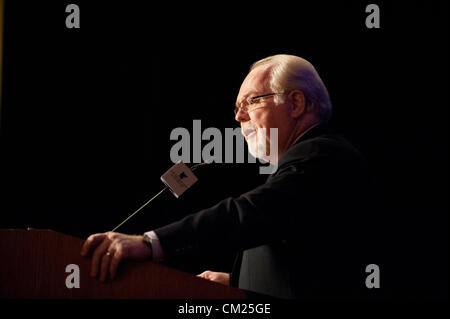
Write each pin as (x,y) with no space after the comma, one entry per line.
(219,277)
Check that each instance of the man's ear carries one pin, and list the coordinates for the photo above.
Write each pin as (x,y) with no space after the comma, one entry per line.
(298,103)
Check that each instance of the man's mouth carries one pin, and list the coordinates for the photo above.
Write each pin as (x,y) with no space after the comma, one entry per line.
(249,132)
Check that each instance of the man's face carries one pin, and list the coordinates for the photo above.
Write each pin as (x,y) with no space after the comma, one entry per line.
(265,115)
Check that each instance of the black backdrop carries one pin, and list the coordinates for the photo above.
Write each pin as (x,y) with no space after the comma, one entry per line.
(87,113)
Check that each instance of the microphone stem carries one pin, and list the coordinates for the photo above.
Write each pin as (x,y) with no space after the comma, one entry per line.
(139,209)
(193,168)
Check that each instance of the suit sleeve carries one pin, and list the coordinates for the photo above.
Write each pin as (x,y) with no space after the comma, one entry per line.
(313,196)
(273,211)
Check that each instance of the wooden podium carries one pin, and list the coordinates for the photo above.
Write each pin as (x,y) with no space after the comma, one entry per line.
(33,265)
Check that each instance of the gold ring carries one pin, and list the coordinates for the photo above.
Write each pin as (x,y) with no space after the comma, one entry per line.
(108,253)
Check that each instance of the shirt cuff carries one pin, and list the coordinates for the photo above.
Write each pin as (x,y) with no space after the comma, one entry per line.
(157,253)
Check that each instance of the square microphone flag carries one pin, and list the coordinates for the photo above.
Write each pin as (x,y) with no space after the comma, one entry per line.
(179,178)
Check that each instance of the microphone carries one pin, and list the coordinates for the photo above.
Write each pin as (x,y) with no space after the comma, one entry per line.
(177,179)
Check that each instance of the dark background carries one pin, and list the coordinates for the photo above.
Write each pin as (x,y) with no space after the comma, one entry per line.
(87,113)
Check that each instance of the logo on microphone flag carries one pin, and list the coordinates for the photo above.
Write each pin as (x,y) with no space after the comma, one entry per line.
(179,178)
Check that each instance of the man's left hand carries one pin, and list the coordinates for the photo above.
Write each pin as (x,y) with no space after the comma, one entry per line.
(110,248)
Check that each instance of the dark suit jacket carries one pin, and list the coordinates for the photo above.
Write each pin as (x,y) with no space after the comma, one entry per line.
(301,234)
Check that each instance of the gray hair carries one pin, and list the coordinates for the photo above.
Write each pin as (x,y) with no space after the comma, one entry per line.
(290,72)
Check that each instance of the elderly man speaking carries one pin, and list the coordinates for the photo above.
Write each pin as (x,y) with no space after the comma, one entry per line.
(300,234)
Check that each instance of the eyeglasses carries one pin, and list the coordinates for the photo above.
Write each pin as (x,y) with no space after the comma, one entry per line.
(253,101)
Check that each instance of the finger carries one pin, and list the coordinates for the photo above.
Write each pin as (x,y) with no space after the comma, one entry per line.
(98,255)
(115,261)
(205,274)
(92,242)
(106,260)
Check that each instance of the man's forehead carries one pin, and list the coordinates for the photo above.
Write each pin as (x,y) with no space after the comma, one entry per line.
(258,77)
(256,81)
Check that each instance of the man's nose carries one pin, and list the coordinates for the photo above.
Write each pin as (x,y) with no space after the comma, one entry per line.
(241,116)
